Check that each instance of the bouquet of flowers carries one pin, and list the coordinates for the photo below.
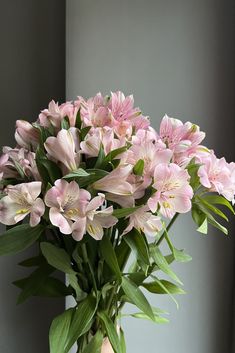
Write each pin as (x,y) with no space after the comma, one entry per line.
(91,182)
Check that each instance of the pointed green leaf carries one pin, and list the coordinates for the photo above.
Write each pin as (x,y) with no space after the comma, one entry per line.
(108,253)
(124,212)
(163,265)
(94,346)
(155,287)
(111,331)
(122,341)
(157,319)
(59,331)
(203,228)
(139,167)
(82,321)
(65,123)
(137,297)
(76,173)
(161,283)
(219,200)
(19,238)
(56,257)
(137,243)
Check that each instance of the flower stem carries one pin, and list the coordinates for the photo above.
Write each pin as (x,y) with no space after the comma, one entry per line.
(167,228)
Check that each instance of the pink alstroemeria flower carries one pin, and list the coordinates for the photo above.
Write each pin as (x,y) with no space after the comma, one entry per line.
(73,211)
(55,113)
(218,175)
(94,219)
(26,135)
(178,136)
(21,200)
(115,182)
(144,221)
(100,136)
(67,204)
(173,193)
(64,148)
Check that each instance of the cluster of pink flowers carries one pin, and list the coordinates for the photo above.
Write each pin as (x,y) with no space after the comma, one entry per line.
(148,171)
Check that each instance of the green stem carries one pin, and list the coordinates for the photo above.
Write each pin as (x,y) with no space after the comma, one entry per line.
(167,228)
(87,262)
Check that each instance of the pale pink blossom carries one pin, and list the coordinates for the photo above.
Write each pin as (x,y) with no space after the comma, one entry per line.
(64,148)
(67,204)
(98,137)
(14,160)
(151,154)
(144,221)
(55,113)
(22,200)
(173,192)
(26,135)
(94,111)
(115,182)
(73,211)
(94,219)
(218,175)
(180,138)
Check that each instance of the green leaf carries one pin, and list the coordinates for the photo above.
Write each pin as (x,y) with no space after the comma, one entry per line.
(199,218)
(94,175)
(50,287)
(161,283)
(111,331)
(19,238)
(122,341)
(76,173)
(122,254)
(100,158)
(124,212)
(32,261)
(163,265)
(155,287)
(94,346)
(181,256)
(193,172)
(82,321)
(113,154)
(56,257)
(84,132)
(203,228)
(139,167)
(73,282)
(138,245)
(108,253)
(219,200)
(34,282)
(52,168)
(137,297)
(78,123)
(157,319)
(212,208)
(59,331)
(212,220)
(65,124)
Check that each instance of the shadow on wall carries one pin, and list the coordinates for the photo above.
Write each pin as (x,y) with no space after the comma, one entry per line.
(32,71)
(224,110)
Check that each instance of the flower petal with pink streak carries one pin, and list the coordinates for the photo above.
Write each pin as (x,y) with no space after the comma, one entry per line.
(58,220)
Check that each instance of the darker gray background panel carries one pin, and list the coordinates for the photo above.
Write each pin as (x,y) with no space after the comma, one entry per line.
(32,72)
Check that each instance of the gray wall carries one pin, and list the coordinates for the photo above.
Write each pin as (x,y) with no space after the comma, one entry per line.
(176,57)
(32,72)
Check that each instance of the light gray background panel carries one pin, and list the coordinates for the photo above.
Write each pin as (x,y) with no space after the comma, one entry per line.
(176,57)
